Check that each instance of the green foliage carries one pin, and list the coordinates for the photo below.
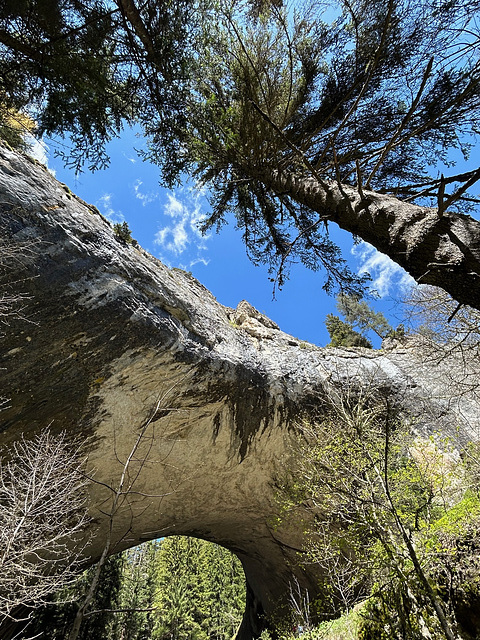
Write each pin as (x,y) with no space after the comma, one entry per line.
(136,618)
(123,232)
(178,588)
(54,621)
(378,499)
(84,73)
(453,545)
(357,541)
(200,591)
(361,316)
(343,335)
(395,611)
(14,127)
(456,519)
(343,628)
(291,96)
(397,333)
(450,548)
(238,94)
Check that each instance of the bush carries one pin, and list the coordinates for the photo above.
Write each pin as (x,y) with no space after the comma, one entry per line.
(122,232)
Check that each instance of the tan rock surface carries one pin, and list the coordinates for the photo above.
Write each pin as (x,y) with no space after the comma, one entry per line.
(113,339)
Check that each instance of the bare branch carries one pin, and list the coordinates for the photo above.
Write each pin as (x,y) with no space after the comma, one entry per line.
(44,508)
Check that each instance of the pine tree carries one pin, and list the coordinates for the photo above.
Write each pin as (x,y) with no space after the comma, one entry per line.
(55,620)
(200,591)
(343,335)
(136,618)
(359,314)
(293,122)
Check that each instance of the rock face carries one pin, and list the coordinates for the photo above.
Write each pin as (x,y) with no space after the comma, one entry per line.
(114,342)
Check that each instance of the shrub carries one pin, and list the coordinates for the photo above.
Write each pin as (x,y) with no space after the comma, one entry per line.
(122,232)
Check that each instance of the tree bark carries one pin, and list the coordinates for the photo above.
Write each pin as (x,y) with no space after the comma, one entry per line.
(132,14)
(440,250)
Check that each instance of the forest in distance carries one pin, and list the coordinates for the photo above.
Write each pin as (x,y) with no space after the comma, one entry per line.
(176,588)
(292,118)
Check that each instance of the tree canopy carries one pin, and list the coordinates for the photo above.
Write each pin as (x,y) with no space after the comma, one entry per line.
(392,515)
(177,588)
(342,334)
(293,117)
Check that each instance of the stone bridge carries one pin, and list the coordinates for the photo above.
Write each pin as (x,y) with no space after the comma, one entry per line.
(113,342)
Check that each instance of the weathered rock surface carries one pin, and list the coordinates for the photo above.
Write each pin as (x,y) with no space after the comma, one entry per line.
(113,339)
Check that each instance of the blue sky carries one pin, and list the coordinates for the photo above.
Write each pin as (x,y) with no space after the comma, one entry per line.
(165,224)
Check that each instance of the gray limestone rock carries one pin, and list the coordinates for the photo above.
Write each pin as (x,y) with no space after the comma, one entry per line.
(112,339)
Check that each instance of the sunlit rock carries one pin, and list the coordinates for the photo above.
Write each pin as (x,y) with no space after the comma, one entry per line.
(113,342)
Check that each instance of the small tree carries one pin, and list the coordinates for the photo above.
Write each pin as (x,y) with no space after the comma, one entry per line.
(123,232)
(43,511)
(372,490)
(361,316)
(15,127)
(342,334)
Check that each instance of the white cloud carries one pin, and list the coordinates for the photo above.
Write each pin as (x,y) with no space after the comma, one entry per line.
(386,274)
(145,198)
(199,260)
(182,231)
(38,149)
(174,207)
(104,204)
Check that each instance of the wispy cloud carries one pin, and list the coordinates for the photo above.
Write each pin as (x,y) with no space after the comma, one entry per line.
(200,260)
(104,204)
(145,198)
(182,233)
(386,274)
(38,149)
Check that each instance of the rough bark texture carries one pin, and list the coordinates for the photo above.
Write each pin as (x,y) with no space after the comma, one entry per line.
(443,251)
(110,333)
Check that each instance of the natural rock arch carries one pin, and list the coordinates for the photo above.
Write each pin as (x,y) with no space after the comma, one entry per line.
(114,339)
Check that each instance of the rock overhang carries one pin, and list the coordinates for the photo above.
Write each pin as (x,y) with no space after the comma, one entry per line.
(111,332)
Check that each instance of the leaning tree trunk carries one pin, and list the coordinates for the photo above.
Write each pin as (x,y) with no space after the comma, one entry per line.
(440,250)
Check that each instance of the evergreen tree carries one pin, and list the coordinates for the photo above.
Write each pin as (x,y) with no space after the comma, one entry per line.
(343,335)
(200,591)
(359,314)
(295,123)
(54,621)
(222,588)
(81,67)
(177,589)
(294,120)
(136,618)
